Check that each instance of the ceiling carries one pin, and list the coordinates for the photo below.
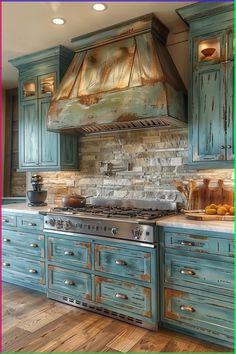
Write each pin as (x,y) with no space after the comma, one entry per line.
(27,26)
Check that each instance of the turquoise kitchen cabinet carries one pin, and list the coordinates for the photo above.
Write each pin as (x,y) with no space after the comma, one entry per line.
(210,84)
(197,283)
(39,76)
(23,250)
(109,277)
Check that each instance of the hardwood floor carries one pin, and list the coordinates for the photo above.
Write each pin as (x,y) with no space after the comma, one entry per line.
(33,323)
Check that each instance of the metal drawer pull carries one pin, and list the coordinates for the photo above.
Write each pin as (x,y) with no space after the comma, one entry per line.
(5,264)
(69,282)
(222,146)
(69,253)
(6,240)
(33,271)
(187,271)
(32,224)
(121,296)
(186,243)
(187,308)
(5,220)
(229,146)
(34,245)
(120,262)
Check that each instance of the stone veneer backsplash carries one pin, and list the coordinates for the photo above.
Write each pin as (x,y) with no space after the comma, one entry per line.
(147,164)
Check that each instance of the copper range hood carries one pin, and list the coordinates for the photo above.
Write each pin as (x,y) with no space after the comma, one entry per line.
(120,78)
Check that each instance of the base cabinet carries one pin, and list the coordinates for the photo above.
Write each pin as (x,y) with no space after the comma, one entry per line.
(23,251)
(113,278)
(197,283)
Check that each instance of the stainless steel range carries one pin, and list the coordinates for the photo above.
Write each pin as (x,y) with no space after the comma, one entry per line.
(133,220)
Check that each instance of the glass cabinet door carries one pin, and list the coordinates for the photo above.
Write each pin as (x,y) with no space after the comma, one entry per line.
(46,85)
(28,89)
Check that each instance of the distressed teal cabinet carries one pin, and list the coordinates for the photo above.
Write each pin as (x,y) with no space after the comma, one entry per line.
(112,278)
(197,283)
(39,76)
(23,250)
(211,140)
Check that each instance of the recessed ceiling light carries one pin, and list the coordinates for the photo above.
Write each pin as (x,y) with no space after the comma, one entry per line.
(99,7)
(58,21)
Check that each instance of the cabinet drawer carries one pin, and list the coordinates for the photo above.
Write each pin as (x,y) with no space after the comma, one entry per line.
(125,296)
(8,220)
(123,262)
(70,282)
(69,252)
(199,313)
(28,271)
(30,222)
(23,243)
(197,243)
(188,271)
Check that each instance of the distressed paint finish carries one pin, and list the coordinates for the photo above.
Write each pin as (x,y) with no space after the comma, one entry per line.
(70,282)
(126,80)
(201,314)
(210,85)
(197,283)
(79,252)
(40,149)
(133,298)
(119,261)
(23,247)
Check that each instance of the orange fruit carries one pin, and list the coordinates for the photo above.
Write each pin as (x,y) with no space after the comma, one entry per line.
(210,211)
(227,206)
(231,211)
(221,210)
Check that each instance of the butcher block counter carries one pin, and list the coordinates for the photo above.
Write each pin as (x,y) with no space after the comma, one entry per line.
(180,221)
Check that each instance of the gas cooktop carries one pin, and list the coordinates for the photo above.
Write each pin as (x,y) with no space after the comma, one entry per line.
(114,212)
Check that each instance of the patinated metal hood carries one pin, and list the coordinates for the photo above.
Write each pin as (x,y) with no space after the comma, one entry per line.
(120,78)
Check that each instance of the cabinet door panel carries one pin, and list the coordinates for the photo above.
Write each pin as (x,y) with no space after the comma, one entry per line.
(230,110)
(48,140)
(208,128)
(29,135)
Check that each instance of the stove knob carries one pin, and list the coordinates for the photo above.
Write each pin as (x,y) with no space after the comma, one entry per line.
(51,222)
(137,233)
(114,230)
(59,224)
(67,225)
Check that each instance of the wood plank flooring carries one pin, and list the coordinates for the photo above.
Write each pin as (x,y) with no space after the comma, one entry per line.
(33,323)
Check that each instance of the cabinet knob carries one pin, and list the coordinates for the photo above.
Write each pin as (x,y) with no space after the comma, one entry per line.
(121,296)
(187,272)
(222,147)
(5,220)
(6,240)
(69,282)
(120,262)
(33,245)
(33,271)
(187,308)
(5,264)
(229,146)
(69,253)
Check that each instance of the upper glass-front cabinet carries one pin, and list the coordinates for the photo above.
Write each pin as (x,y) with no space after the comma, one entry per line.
(209,49)
(38,87)
(28,89)
(47,85)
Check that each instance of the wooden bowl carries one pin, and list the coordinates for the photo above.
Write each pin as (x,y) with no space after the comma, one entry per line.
(207,52)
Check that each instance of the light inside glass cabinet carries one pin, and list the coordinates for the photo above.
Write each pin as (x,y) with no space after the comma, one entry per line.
(47,85)
(209,49)
(29,89)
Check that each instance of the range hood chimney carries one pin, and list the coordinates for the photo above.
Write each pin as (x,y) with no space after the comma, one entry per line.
(120,78)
